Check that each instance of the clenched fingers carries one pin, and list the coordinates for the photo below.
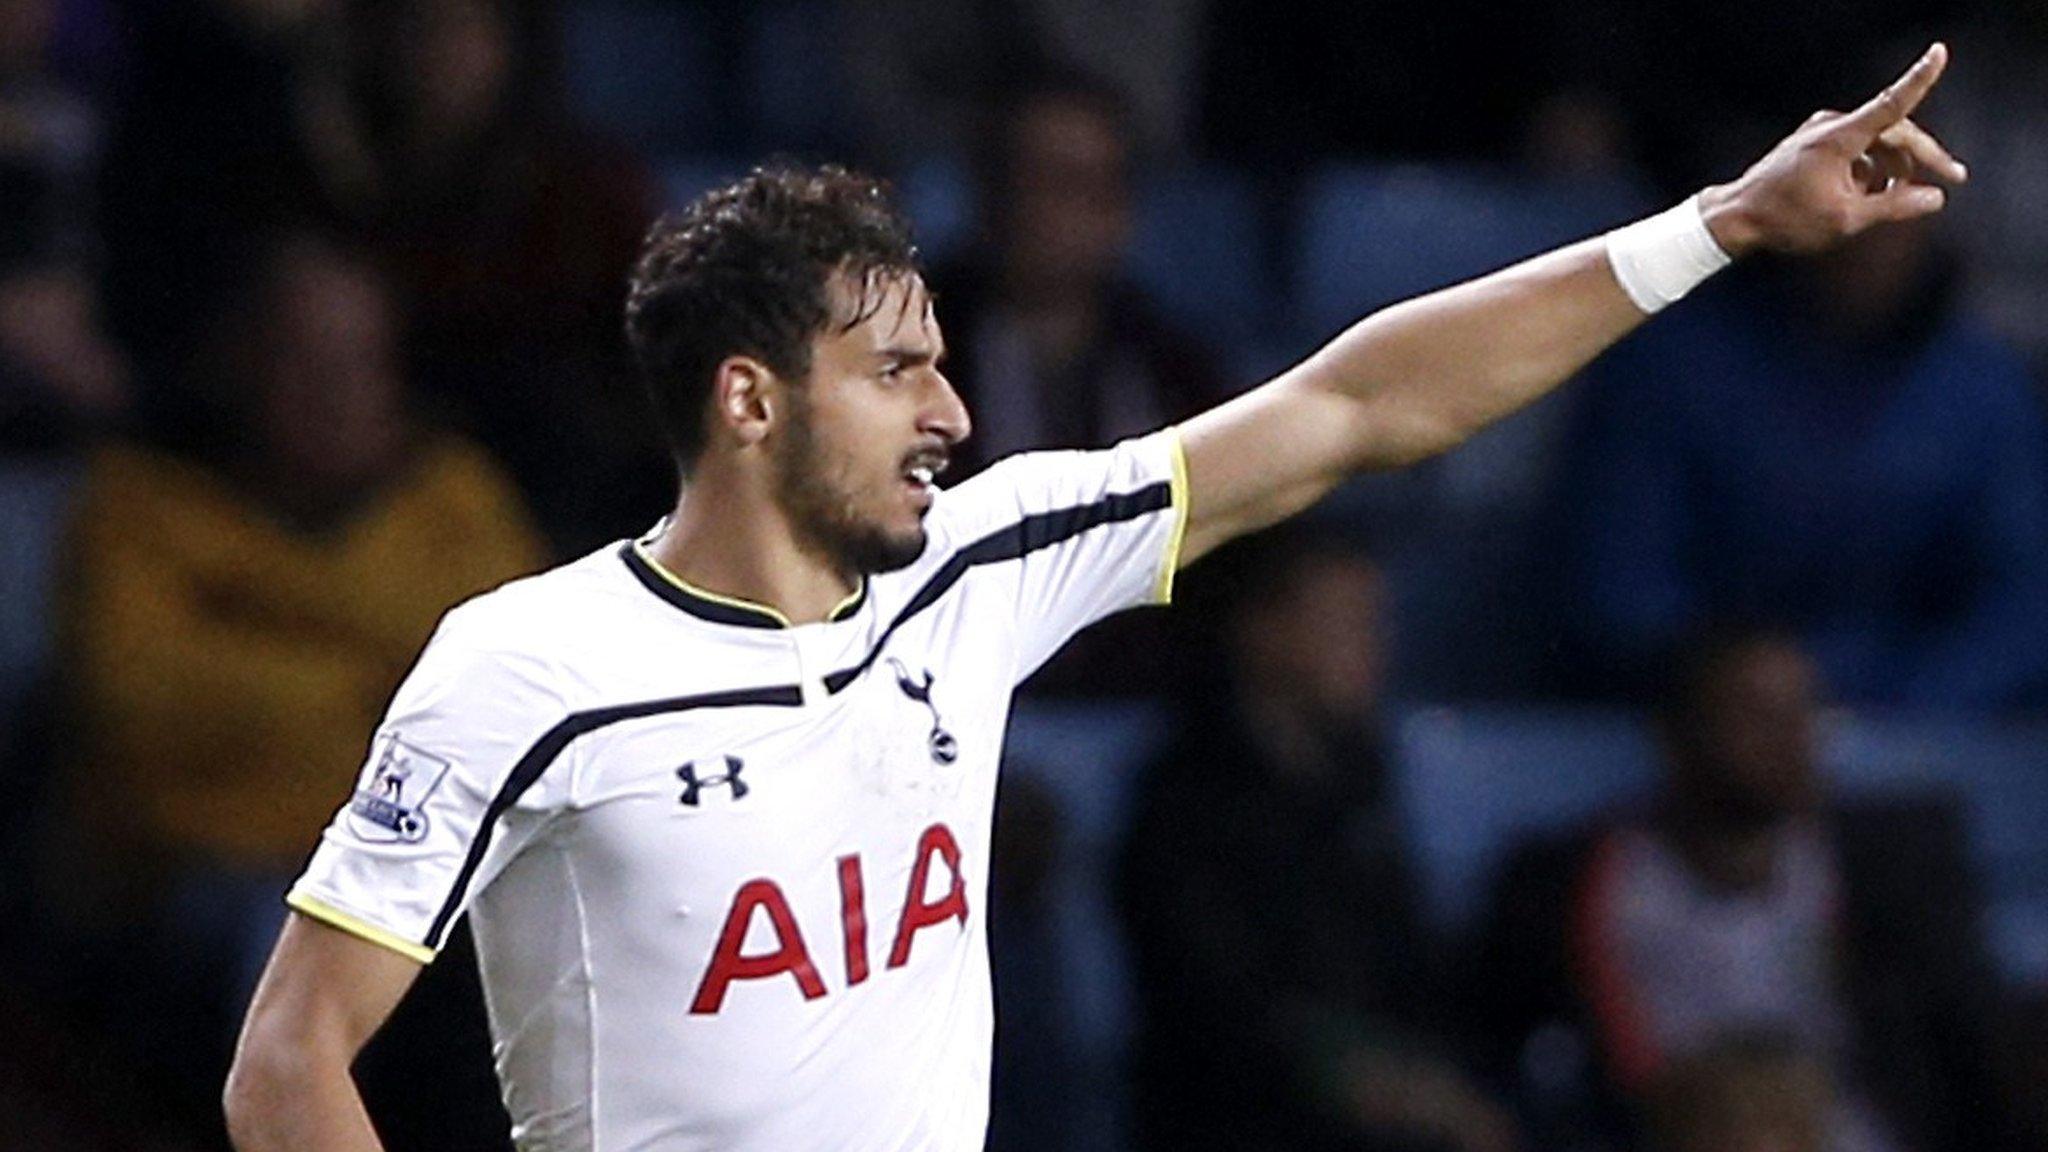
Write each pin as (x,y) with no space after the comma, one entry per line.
(1925,151)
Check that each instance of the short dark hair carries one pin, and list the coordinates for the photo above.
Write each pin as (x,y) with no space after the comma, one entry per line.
(995,158)
(746,270)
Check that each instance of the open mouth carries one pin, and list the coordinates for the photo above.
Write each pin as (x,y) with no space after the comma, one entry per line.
(922,470)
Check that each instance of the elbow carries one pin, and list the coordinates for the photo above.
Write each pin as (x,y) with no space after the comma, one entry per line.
(250,1081)
(265,1081)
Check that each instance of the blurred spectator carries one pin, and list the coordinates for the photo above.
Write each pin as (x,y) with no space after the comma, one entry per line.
(61,385)
(512,231)
(61,382)
(1830,448)
(1742,904)
(431,131)
(234,624)
(233,119)
(1284,977)
(1994,114)
(46,130)
(1049,345)
(921,92)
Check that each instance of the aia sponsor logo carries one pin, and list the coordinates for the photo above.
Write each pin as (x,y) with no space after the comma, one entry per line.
(791,956)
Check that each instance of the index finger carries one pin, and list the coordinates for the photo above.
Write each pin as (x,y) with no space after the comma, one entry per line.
(1900,97)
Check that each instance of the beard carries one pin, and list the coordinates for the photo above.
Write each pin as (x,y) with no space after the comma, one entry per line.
(822,509)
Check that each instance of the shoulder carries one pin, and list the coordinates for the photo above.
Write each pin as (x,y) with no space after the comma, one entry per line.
(529,635)
(1035,492)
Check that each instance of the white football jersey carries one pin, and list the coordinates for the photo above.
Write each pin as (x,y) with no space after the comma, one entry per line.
(727,876)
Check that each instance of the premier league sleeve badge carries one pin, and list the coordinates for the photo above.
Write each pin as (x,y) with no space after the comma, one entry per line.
(390,807)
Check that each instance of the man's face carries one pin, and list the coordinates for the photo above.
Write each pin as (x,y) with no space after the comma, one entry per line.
(1752,744)
(456,60)
(1316,640)
(330,398)
(870,428)
(1069,195)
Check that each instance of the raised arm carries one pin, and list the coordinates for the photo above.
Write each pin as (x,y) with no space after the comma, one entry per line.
(1421,377)
(323,996)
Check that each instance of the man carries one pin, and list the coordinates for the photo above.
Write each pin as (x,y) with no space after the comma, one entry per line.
(1743,907)
(1868,470)
(1282,970)
(1049,343)
(723,861)
(219,705)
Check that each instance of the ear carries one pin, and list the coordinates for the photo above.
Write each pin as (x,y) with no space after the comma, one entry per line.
(746,399)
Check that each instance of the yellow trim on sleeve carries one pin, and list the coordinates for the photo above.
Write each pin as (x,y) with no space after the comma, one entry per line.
(1163,592)
(334,917)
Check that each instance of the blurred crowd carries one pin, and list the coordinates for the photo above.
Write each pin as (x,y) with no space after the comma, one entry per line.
(310,328)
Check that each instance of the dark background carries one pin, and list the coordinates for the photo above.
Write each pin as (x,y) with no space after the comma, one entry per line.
(309,327)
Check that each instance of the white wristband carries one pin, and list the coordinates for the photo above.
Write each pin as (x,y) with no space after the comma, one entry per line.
(1661,258)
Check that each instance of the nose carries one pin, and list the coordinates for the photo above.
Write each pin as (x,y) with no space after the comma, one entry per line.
(945,414)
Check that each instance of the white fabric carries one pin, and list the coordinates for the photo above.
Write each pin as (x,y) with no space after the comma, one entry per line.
(1659,259)
(600,903)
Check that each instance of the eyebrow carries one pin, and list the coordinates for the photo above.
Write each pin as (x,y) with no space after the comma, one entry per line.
(910,355)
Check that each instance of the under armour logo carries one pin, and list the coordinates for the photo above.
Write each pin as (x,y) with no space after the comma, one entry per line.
(694,785)
(943,747)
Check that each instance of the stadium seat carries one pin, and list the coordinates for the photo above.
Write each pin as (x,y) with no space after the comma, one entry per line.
(938,194)
(1088,757)
(1198,249)
(644,71)
(1368,235)
(1474,782)
(2000,776)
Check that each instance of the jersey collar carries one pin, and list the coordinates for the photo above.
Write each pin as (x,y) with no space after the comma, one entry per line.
(708,605)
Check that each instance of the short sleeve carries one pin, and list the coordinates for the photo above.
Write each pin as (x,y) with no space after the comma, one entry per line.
(460,776)
(1091,533)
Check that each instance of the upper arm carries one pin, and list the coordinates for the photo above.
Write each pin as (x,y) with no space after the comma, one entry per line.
(470,763)
(1072,536)
(1264,456)
(1404,384)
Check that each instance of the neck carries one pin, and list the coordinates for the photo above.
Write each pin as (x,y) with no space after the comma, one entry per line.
(730,539)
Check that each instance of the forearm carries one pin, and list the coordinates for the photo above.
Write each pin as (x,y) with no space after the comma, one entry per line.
(296,1103)
(1399,386)
(1419,378)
